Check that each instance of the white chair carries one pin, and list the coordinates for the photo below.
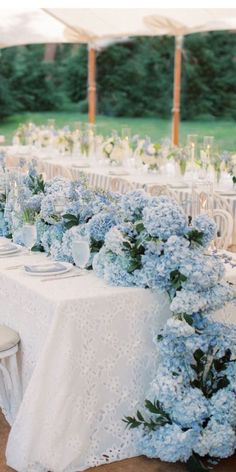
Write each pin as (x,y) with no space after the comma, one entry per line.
(62,171)
(221,203)
(120,185)
(156,190)
(225,224)
(10,386)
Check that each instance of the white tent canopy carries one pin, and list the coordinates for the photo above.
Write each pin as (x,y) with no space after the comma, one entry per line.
(101,26)
(89,25)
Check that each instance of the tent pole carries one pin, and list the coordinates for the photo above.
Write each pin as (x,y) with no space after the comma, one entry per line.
(91,84)
(177,90)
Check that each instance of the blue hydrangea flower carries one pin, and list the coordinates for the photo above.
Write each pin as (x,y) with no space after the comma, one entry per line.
(164,220)
(216,440)
(133,203)
(222,406)
(100,224)
(207,226)
(169,443)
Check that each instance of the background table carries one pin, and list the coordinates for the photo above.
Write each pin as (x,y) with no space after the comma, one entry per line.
(101,177)
(87,357)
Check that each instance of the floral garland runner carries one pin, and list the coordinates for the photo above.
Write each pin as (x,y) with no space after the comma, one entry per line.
(137,240)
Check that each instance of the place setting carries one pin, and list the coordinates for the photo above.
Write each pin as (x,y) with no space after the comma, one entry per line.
(8,249)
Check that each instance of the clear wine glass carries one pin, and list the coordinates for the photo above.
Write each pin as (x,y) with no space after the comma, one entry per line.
(81,252)
(29,233)
(60,204)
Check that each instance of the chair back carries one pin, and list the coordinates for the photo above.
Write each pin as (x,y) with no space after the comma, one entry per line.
(120,185)
(225,223)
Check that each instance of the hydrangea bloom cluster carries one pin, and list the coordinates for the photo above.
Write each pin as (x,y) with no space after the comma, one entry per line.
(23,203)
(163,217)
(86,213)
(191,404)
(154,246)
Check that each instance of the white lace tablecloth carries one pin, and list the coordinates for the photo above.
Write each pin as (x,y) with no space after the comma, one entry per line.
(87,357)
(103,177)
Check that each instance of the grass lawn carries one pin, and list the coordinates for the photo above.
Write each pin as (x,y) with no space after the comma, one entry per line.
(224,131)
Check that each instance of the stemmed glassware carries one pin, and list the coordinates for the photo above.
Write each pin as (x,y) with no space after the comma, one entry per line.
(206,152)
(60,204)
(81,252)
(29,233)
(192,142)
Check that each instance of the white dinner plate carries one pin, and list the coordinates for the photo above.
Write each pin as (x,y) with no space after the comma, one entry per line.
(47,269)
(8,248)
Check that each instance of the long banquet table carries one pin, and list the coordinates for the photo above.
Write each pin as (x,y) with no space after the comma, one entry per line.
(103,177)
(86,359)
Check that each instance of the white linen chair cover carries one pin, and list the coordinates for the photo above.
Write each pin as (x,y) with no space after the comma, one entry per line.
(10,387)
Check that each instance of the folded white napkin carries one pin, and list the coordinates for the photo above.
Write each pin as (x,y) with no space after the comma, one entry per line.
(5,247)
(50,267)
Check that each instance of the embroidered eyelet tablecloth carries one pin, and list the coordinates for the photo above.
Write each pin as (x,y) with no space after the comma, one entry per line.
(86,359)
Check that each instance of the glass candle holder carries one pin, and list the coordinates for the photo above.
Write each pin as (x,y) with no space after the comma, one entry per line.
(202,198)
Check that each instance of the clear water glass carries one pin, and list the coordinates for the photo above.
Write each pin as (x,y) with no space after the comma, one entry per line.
(59,204)
(29,233)
(80,252)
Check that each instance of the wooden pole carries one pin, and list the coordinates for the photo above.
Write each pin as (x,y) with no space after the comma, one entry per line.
(177,90)
(91,84)
(50,52)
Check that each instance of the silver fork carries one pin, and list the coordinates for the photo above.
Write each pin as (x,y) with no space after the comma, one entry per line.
(14,267)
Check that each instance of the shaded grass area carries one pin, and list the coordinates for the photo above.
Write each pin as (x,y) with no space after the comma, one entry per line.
(223,130)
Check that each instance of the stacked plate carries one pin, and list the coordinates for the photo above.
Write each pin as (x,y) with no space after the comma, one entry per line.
(48,269)
(8,249)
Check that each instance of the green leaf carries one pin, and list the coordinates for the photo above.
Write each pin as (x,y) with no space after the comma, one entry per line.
(188,319)
(126,244)
(194,464)
(219,365)
(227,356)
(222,383)
(140,416)
(151,407)
(95,246)
(177,278)
(198,355)
(37,248)
(156,408)
(134,264)
(131,422)
(195,368)
(71,220)
(139,227)
(195,236)
(70,224)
